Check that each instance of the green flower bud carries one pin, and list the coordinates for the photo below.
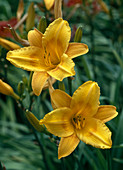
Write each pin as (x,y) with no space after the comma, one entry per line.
(78,35)
(30,21)
(34,121)
(42,24)
(25,80)
(21,87)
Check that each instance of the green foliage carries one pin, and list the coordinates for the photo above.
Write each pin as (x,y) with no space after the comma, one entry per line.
(19,143)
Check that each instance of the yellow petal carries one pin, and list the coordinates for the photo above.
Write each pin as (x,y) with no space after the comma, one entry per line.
(38,81)
(8,44)
(64,69)
(5,88)
(60,98)
(67,145)
(105,113)
(29,58)
(95,133)
(56,39)
(35,38)
(49,3)
(85,99)
(76,49)
(58,122)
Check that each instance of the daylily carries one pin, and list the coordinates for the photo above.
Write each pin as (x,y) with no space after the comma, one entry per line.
(49,54)
(79,118)
(49,3)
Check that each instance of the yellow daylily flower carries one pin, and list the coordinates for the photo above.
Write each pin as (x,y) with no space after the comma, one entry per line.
(49,3)
(7,90)
(79,118)
(49,54)
(8,44)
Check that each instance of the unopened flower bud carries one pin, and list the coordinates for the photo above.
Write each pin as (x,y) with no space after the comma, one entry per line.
(49,3)
(8,44)
(24,79)
(30,22)
(42,24)
(7,90)
(103,6)
(21,87)
(78,35)
(34,121)
(58,9)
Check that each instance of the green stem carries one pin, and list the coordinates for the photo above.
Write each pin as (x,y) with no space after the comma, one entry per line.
(63,164)
(42,150)
(31,102)
(16,97)
(1,168)
(118,58)
(30,81)
(86,67)
(92,45)
(108,157)
(70,85)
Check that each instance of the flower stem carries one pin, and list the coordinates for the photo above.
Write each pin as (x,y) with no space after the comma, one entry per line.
(86,67)
(63,164)
(42,150)
(92,45)
(16,97)
(70,85)
(117,58)
(30,81)
(108,157)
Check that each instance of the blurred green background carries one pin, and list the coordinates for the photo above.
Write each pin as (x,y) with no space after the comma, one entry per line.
(103,33)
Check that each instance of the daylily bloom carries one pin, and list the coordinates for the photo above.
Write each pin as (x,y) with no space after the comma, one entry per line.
(79,118)
(49,54)
(49,3)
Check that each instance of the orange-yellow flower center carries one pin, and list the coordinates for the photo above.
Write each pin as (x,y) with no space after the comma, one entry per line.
(78,121)
(50,58)
(47,58)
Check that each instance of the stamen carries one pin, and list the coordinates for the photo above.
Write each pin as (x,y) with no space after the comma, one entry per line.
(47,58)
(78,122)
(83,122)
